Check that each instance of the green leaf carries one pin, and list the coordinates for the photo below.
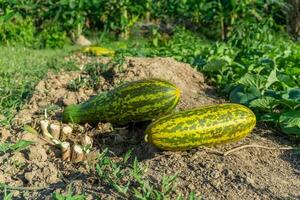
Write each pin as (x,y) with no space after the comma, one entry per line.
(265,103)
(266,61)
(272,93)
(21,145)
(270,117)
(253,80)
(244,95)
(291,99)
(192,196)
(8,196)
(272,78)
(286,81)
(4,147)
(127,155)
(72,4)
(290,104)
(292,94)
(290,123)
(292,71)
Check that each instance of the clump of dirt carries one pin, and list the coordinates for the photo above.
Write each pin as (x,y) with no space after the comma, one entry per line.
(247,174)
(194,91)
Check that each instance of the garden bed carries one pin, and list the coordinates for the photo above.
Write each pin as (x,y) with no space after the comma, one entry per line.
(251,173)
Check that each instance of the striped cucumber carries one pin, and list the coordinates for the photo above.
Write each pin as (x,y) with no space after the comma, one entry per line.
(207,125)
(131,102)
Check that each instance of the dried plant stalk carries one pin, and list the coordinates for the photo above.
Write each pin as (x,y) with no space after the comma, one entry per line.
(66,132)
(86,141)
(55,130)
(77,154)
(66,151)
(44,127)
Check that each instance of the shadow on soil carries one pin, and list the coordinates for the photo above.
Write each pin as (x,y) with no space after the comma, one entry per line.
(124,139)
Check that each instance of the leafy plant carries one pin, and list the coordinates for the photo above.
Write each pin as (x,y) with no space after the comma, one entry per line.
(218,19)
(17,31)
(53,37)
(258,68)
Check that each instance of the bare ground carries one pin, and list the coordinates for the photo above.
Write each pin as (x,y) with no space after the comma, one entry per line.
(251,173)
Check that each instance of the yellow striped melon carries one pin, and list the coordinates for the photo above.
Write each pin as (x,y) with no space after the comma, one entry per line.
(130,102)
(207,125)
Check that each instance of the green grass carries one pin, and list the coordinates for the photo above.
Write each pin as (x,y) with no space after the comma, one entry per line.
(7,196)
(14,147)
(20,70)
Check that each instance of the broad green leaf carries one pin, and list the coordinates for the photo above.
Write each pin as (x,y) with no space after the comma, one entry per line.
(290,123)
(291,104)
(251,80)
(291,98)
(293,71)
(292,94)
(244,95)
(286,81)
(272,93)
(265,103)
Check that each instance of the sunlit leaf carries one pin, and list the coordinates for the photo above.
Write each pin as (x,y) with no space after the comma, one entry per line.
(265,103)
(293,71)
(253,80)
(290,123)
(272,78)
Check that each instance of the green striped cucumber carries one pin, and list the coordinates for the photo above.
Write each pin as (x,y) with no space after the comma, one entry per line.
(207,125)
(131,102)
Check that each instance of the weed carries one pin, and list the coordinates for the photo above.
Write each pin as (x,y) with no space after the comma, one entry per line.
(13,147)
(7,196)
(128,180)
(68,196)
(94,74)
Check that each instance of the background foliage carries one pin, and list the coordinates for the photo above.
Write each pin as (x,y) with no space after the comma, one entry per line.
(217,19)
(247,48)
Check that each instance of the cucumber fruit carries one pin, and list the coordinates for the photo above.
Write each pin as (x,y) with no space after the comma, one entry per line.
(207,125)
(131,102)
